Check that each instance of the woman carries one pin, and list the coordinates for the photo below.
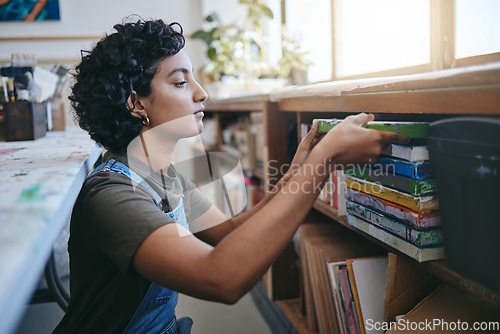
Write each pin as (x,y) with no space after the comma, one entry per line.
(130,247)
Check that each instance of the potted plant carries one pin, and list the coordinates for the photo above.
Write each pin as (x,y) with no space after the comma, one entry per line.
(232,48)
(293,64)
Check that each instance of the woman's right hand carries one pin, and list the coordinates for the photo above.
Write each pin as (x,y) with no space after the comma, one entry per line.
(350,143)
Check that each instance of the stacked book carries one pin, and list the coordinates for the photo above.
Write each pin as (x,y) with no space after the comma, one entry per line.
(395,199)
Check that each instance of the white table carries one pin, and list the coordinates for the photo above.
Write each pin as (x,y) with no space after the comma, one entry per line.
(39,183)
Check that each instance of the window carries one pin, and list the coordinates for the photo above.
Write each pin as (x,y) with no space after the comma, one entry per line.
(373,36)
(310,21)
(365,38)
(477,27)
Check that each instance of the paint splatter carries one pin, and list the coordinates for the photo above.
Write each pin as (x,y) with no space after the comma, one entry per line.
(31,194)
(6,151)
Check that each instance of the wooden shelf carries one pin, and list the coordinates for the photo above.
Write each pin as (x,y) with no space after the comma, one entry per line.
(438,267)
(472,90)
(292,310)
(326,209)
(439,101)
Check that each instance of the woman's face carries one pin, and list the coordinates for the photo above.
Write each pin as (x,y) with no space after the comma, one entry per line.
(176,100)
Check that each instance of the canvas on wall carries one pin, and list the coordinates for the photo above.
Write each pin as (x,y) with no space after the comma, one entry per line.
(29,10)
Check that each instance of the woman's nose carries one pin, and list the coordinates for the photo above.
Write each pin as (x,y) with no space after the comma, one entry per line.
(201,94)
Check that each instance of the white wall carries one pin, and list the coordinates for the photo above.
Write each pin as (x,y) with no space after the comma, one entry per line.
(229,11)
(94,18)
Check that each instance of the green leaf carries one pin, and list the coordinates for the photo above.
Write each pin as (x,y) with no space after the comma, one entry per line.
(203,35)
(266,11)
(214,34)
(213,17)
(212,53)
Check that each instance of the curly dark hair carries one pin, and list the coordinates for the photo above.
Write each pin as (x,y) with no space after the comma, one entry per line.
(122,62)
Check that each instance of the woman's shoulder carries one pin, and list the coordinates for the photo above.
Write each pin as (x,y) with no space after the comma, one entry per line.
(112,186)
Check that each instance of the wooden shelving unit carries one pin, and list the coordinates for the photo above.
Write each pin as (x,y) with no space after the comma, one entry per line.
(424,97)
(473,91)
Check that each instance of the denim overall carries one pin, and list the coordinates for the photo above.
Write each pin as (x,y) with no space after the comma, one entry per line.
(156,313)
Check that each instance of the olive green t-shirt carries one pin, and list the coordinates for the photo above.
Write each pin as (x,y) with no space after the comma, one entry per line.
(112,216)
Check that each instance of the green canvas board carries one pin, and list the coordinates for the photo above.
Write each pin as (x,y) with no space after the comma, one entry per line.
(408,129)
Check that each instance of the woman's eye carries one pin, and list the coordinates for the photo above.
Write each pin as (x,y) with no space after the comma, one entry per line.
(181,84)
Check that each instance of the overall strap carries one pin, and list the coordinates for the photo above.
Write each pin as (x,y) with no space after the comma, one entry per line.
(115,166)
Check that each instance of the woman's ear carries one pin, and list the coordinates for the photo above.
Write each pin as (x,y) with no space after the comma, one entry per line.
(134,105)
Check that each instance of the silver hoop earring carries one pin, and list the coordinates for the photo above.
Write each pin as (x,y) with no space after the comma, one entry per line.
(145,121)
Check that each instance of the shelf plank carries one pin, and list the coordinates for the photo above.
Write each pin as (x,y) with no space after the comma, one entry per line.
(291,308)
(466,90)
(441,270)
(332,213)
(438,267)
(457,101)
(326,209)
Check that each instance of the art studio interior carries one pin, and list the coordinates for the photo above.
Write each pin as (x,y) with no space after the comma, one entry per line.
(249,166)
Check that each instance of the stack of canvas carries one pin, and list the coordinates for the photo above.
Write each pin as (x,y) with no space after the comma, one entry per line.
(319,245)
(358,288)
(395,199)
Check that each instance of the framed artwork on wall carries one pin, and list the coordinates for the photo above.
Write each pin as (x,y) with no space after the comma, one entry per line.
(29,10)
